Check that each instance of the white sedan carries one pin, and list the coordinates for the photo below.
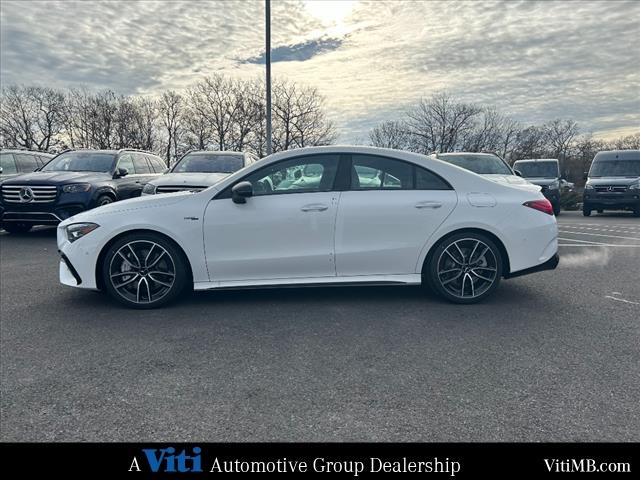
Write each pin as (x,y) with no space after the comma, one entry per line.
(315,216)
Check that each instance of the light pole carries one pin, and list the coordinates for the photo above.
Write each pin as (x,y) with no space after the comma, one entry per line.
(267,5)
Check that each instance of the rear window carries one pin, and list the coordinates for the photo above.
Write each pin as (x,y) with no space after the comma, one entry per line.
(480,164)
(615,168)
(537,169)
(8,164)
(209,163)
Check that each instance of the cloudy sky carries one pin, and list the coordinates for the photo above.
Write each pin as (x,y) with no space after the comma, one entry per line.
(371,60)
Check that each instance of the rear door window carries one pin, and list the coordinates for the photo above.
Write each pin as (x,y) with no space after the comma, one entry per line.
(8,164)
(140,164)
(26,162)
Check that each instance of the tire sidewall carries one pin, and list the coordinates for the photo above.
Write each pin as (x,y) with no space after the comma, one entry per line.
(181,281)
(104,200)
(432,270)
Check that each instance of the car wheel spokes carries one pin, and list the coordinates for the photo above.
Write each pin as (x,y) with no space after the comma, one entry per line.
(142,271)
(467,268)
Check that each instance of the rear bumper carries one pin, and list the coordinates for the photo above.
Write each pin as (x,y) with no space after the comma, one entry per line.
(550,264)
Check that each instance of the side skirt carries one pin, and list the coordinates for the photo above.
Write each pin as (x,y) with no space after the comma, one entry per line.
(359,280)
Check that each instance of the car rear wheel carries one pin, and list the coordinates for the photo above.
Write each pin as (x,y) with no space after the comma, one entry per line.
(17,227)
(465,268)
(145,271)
(586,211)
(556,209)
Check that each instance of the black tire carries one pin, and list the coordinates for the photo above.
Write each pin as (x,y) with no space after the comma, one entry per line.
(158,269)
(586,211)
(442,270)
(103,200)
(17,227)
(556,209)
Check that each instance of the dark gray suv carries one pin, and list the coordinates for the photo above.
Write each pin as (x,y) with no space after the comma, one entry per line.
(613,182)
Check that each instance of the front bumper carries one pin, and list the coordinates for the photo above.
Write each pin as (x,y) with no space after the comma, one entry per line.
(616,201)
(550,264)
(39,214)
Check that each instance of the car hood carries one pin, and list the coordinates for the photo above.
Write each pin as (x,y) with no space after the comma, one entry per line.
(612,180)
(512,181)
(541,181)
(57,178)
(150,201)
(191,179)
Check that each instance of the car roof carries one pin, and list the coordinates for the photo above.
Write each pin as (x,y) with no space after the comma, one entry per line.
(475,154)
(17,150)
(217,152)
(524,160)
(618,155)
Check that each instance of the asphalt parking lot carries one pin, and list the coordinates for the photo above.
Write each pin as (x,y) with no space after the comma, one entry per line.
(554,356)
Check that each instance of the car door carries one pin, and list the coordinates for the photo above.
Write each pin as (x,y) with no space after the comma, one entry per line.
(127,185)
(284,231)
(387,215)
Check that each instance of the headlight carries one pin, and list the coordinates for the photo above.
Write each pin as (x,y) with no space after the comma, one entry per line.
(76,188)
(635,186)
(588,186)
(79,230)
(149,189)
(554,186)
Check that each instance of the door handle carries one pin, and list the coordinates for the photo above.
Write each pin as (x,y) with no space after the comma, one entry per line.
(314,207)
(428,205)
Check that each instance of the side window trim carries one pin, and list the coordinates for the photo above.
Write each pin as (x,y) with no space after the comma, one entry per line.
(226,192)
(414,174)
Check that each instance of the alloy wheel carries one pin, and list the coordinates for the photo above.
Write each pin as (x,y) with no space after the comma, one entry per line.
(142,271)
(467,268)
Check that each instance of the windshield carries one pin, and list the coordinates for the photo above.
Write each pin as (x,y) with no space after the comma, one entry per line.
(209,163)
(480,164)
(615,168)
(81,162)
(537,169)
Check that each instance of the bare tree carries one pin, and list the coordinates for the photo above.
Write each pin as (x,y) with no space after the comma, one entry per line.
(31,117)
(440,123)
(390,134)
(171,115)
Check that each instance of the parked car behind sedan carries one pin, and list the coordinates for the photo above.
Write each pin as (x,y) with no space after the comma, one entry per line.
(74,181)
(197,170)
(16,162)
(544,172)
(490,166)
(613,182)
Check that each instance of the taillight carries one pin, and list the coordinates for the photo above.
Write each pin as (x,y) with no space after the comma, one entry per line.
(540,205)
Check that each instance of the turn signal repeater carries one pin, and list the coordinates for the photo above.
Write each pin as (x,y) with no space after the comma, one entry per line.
(543,206)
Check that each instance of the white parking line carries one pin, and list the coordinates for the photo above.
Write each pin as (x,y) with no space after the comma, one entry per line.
(621,300)
(580,241)
(597,245)
(599,229)
(599,235)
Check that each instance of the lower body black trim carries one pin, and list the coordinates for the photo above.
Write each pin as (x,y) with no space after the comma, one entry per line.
(550,264)
(71,268)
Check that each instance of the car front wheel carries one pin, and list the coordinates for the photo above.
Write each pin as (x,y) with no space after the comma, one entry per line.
(145,271)
(465,268)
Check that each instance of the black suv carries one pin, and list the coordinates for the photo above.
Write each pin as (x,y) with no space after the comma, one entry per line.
(15,162)
(74,181)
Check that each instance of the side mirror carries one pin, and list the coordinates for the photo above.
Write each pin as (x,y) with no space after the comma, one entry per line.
(518,173)
(121,172)
(241,191)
